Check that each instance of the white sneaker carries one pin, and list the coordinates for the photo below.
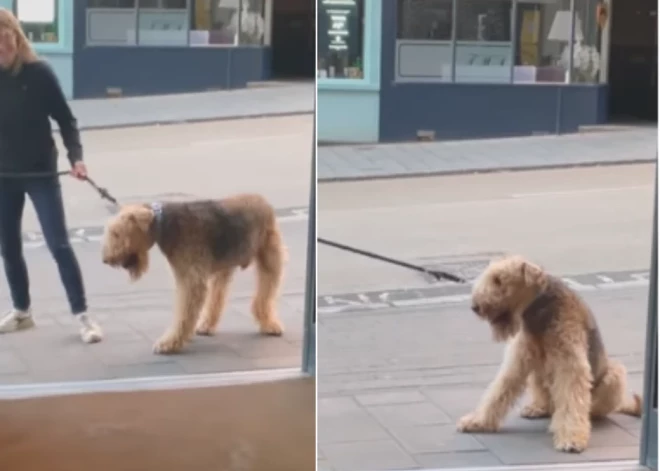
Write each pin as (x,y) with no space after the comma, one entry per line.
(90,332)
(16,320)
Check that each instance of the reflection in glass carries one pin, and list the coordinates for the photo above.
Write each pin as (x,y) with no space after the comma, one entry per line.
(484,20)
(340,39)
(425,19)
(586,47)
(543,34)
(213,22)
(424,48)
(162,23)
(483,48)
(252,22)
(38,19)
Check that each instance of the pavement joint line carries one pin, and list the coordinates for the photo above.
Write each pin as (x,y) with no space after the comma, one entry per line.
(427,295)
(148,383)
(628,465)
(174,122)
(474,171)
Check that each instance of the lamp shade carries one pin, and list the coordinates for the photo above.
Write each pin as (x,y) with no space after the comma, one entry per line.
(561,27)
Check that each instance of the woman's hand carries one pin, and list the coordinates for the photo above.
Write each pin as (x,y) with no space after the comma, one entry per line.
(79,170)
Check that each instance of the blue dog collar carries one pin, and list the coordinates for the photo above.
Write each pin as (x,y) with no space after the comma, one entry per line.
(157,208)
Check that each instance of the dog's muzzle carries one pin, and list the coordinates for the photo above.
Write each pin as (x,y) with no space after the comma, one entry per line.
(128,262)
(496,318)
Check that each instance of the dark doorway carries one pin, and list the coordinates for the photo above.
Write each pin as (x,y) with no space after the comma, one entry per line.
(633,64)
(293,39)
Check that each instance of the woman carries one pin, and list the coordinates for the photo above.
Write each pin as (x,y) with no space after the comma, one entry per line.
(30,94)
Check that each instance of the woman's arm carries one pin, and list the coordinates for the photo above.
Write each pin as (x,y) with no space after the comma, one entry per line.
(59,110)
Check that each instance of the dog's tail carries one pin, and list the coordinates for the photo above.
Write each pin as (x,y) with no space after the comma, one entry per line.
(632,405)
(270,260)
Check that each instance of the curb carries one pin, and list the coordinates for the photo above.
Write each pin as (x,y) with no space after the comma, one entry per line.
(168,122)
(441,173)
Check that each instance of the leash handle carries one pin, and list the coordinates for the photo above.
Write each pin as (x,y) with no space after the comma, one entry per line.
(103,192)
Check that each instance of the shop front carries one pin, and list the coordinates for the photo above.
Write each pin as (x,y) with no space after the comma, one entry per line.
(492,68)
(456,69)
(348,70)
(49,26)
(131,47)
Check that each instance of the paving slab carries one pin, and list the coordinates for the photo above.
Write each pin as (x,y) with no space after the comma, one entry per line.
(363,162)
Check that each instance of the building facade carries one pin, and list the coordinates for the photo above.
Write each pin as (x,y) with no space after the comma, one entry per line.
(49,25)
(394,70)
(130,47)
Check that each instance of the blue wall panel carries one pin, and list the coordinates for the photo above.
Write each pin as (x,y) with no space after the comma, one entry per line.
(153,70)
(347,116)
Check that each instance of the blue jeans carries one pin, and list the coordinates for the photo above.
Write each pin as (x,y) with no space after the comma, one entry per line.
(46,196)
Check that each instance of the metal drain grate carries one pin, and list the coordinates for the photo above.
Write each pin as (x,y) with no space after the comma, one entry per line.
(467,266)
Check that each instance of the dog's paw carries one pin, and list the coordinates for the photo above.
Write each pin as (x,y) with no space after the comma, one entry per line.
(470,423)
(534,411)
(271,327)
(168,344)
(204,329)
(575,443)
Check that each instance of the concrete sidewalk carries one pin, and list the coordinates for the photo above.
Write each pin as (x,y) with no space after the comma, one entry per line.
(361,162)
(290,99)
(393,382)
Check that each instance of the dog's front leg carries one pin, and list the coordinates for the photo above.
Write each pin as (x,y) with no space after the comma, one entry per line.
(502,393)
(571,396)
(190,292)
(540,405)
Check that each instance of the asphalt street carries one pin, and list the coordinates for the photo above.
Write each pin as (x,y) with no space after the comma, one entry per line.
(572,221)
(271,156)
(401,358)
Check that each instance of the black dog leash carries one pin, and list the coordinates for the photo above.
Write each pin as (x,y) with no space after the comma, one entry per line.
(437,274)
(103,192)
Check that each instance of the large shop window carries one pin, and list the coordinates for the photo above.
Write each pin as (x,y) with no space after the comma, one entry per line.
(483,41)
(39,19)
(424,46)
(544,42)
(340,39)
(499,41)
(195,23)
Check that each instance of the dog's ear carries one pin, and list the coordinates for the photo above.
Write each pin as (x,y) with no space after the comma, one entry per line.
(142,219)
(532,274)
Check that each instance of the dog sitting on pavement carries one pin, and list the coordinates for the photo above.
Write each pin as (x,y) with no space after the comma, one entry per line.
(204,242)
(555,348)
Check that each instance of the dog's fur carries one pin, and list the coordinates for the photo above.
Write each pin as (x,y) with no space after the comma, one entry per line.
(204,242)
(555,349)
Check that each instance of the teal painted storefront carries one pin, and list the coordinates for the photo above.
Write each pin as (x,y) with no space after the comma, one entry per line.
(59,55)
(349,109)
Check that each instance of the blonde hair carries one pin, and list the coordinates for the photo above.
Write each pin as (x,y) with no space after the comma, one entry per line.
(24,51)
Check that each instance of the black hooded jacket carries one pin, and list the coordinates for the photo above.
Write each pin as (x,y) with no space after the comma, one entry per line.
(27,101)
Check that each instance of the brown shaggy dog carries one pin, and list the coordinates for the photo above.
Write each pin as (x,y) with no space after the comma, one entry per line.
(555,349)
(204,242)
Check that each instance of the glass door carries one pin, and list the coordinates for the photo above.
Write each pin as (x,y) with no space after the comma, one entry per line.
(649,443)
(309,340)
